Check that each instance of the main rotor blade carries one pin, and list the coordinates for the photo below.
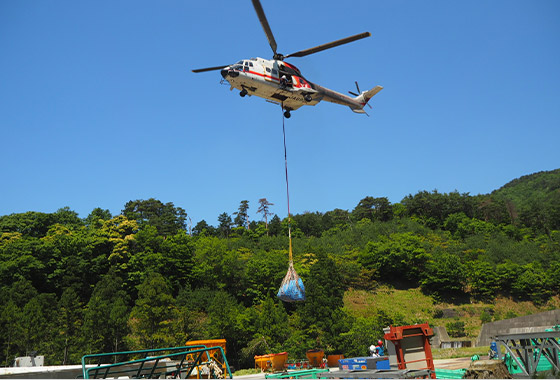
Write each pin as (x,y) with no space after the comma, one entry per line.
(265,25)
(209,69)
(316,49)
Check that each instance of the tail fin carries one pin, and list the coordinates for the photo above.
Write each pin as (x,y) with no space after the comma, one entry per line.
(364,97)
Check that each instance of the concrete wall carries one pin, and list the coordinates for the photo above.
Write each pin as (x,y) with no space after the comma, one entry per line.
(440,335)
(529,323)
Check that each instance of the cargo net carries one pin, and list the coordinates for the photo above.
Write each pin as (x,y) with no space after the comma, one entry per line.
(291,289)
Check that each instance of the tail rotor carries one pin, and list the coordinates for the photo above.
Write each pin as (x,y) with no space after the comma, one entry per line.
(359,93)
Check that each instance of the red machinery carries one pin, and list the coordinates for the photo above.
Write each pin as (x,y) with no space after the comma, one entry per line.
(412,346)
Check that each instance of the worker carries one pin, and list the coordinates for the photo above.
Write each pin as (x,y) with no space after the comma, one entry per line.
(379,348)
(373,351)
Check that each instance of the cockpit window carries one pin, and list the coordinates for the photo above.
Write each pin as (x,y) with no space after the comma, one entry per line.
(251,64)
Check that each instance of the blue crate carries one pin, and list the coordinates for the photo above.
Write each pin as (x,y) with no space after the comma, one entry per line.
(353,364)
(383,364)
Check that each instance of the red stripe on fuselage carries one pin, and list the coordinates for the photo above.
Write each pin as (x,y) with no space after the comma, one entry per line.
(259,74)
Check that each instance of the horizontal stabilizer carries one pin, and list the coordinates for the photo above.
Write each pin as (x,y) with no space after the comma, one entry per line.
(364,97)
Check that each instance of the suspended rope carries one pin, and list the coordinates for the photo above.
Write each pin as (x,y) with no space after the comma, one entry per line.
(292,288)
(287,187)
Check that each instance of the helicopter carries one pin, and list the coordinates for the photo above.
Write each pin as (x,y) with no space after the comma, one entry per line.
(282,83)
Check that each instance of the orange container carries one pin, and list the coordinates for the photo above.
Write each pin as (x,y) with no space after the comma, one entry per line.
(263,362)
(332,360)
(215,354)
(275,362)
(315,357)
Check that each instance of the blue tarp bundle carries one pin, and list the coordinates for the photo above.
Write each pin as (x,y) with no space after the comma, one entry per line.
(292,288)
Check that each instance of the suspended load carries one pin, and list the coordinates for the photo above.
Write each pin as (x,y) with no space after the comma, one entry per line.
(292,288)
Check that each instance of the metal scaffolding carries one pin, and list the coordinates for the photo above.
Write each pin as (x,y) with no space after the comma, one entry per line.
(526,350)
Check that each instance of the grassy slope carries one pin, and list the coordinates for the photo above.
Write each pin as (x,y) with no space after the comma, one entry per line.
(414,307)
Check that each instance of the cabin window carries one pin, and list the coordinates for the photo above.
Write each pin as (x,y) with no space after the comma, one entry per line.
(268,69)
(251,64)
(274,71)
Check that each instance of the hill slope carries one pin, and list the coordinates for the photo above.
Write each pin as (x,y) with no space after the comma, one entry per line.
(533,200)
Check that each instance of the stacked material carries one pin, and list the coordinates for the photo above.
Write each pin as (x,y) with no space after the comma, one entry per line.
(291,289)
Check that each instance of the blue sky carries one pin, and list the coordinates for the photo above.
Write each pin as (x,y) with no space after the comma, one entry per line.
(98,104)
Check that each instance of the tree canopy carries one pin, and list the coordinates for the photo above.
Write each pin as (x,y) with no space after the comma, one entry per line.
(71,286)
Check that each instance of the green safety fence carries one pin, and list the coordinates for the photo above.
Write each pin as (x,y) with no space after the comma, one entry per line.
(153,363)
(450,373)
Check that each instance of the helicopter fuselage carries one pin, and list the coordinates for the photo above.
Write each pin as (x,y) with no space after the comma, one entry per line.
(273,80)
(282,83)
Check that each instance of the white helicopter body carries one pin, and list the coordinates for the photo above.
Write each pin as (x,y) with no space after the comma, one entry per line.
(280,82)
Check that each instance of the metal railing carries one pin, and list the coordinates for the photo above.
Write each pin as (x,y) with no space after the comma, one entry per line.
(174,362)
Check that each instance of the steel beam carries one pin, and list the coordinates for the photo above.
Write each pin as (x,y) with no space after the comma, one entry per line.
(528,349)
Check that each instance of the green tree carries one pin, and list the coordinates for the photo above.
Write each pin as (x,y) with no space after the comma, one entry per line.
(10,326)
(96,216)
(324,296)
(167,218)
(310,223)
(444,277)
(482,280)
(119,232)
(400,257)
(203,227)
(223,312)
(20,259)
(241,215)
(154,318)
(39,327)
(373,209)
(67,217)
(364,332)
(171,256)
(263,272)
(31,223)
(456,329)
(275,226)
(225,224)
(264,208)
(531,284)
(106,315)
(69,324)
(434,207)
(336,218)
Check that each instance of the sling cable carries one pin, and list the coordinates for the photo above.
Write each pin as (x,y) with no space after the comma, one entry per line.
(292,288)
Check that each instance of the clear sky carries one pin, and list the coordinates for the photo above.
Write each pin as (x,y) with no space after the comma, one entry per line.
(98,104)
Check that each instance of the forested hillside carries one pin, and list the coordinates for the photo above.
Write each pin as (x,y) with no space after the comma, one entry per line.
(71,286)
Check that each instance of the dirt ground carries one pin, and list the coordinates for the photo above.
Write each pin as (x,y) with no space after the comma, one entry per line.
(455,363)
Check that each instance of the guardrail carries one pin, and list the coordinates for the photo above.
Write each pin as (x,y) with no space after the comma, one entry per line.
(180,362)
